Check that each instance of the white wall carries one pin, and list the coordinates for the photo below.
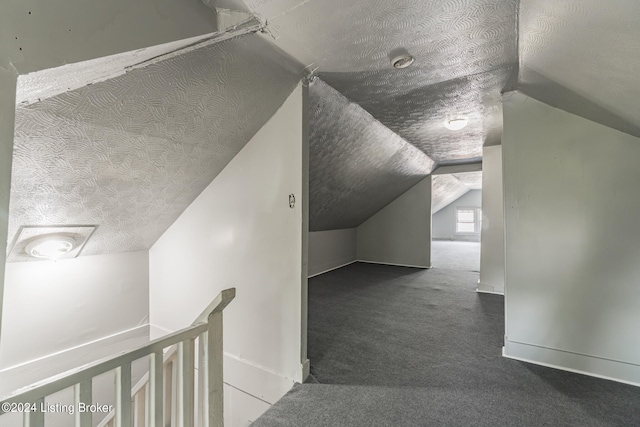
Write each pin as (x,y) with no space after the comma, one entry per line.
(492,238)
(400,233)
(42,35)
(331,249)
(8,79)
(16,377)
(443,225)
(572,241)
(240,232)
(52,307)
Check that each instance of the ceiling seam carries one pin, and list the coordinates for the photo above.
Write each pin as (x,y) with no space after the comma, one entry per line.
(435,164)
(249,26)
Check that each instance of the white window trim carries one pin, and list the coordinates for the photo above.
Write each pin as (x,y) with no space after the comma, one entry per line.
(477,216)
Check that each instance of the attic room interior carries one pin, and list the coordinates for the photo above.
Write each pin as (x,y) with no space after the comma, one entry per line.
(320,158)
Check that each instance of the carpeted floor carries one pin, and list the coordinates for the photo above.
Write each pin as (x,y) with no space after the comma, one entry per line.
(455,255)
(394,346)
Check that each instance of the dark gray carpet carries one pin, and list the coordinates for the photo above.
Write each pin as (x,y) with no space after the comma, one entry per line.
(393,346)
(454,255)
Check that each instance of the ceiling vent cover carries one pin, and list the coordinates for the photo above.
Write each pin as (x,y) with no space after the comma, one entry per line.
(52,242)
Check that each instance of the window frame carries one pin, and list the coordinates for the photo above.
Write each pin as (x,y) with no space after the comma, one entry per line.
(477,220)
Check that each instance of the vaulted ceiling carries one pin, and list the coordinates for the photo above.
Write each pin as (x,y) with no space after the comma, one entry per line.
(583,56)
(131,153)
(375,130)
(465,55)
(357,165)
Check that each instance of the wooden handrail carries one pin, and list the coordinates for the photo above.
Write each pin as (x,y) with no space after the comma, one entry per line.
(207,328)
(142,383)
(78,375)
(218,304)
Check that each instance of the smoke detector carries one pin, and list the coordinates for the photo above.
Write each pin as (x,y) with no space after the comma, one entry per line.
(402,61)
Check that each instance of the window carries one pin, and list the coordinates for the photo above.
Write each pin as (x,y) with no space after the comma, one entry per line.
(468,220)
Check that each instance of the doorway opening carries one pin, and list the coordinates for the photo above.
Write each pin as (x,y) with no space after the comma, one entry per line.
(456,221)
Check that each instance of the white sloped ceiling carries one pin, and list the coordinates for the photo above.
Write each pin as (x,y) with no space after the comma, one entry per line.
(131,153)
(357,165)
(465,55)
(377,130)
(444,190)
(583,56)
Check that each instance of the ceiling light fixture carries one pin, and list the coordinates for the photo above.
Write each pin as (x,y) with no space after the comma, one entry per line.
(456,124)
(402,61)
(51,246)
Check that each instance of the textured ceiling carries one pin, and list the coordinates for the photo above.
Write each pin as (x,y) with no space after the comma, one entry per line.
(130,154)
(356,165)
(471,180)
(465,50)
(40,85)
(465,55)
(583,56)
(375,131)
(444,190)
(449,38)
(418,116)
(228,12)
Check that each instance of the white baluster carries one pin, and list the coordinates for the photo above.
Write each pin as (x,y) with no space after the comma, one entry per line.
(203,383)
(169,391)
(147,418)
(215,384)
(34,418)
(156,398)
(139,408)
(168,398)
(186,386)
(83,396)
(123,395)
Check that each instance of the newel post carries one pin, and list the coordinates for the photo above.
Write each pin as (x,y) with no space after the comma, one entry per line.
(213,353)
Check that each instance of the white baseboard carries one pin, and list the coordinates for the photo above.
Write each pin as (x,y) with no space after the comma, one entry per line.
(483,288)
(254,380)
(306,369)
(240,408)
(332,268)
(257,381)
(607,369)
(482,291)
(394,264)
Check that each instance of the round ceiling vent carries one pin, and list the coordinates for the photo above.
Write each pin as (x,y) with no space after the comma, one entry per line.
(402,61)
(51,246)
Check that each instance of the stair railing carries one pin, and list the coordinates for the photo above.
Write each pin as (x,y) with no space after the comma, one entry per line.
(158,405)
(140,396)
